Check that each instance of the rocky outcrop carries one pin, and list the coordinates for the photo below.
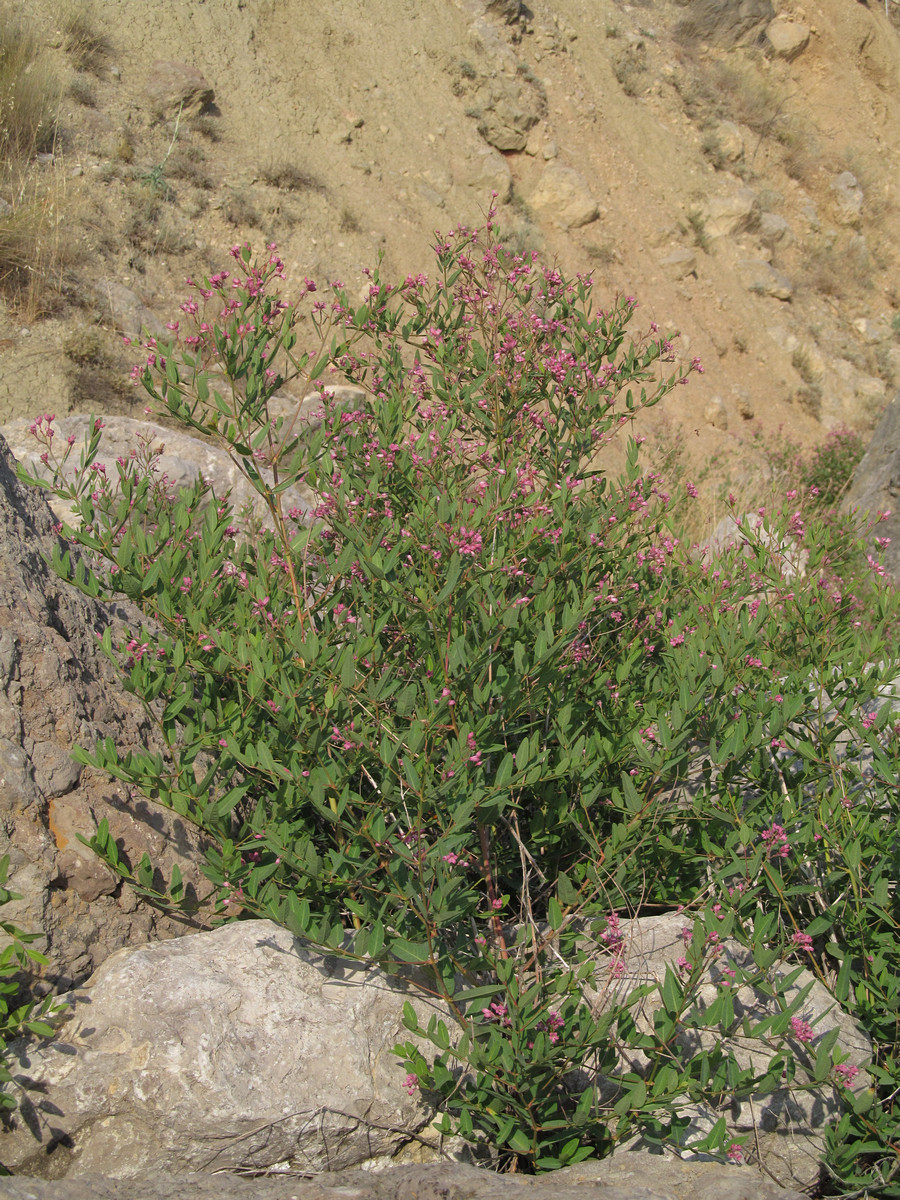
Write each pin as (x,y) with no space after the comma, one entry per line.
(642,1177)
(182,458)
(875,486)
(507,110)
(243,1049)
(57,691)
(232,1050)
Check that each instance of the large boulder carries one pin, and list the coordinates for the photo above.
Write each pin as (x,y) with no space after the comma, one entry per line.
(786,1127)
(242,1049)
(875,486)
(231,1050)
(57,691)
(182,458)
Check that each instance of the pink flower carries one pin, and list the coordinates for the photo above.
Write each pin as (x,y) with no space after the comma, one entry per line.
(802,941)
(802,1030)
(846,1073)
(776,840)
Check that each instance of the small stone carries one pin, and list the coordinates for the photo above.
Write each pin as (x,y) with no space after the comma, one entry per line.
(729,141)
(715,413)
(679,263)
(870,332)
(744,403)
(774,230)
(761,277)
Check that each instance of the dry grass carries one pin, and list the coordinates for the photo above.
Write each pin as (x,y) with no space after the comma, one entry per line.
(349,222)
(36,242)
(840,269)
(83,37)
(288,177)
(239,207)
(29,93)
(630,69)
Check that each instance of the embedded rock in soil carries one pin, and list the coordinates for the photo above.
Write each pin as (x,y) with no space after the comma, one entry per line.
(175,87)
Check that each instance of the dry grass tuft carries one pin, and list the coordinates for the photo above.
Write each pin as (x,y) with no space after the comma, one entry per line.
(288,177)
(36,245)
(29,94)
(85,42)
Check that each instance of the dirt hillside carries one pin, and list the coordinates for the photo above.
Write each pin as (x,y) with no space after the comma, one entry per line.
(733,165)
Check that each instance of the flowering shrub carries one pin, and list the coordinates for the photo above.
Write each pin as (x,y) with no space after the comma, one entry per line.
(475,699)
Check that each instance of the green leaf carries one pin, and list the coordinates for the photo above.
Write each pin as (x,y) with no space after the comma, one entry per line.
(453,573)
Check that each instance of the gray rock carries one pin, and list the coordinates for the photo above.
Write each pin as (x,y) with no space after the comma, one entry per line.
(183,458)
(679,263)
(847,198)
(57,691)
(175,86)
(787,1125)
(729,141)
(875,486)
(643,1177)
(725,22)
(761,277)
(774,230)
(128,312)
(488,171)
(508,109)
(231,1050)
(731,213)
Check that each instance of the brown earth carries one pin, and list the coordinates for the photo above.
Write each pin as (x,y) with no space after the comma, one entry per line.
(349,130)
